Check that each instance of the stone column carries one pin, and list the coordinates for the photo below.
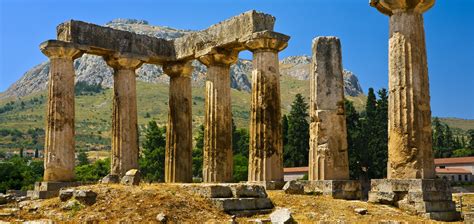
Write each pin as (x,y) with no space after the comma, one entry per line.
(411,183)
(218,155)
(328,159)
(409,127)
(178,158)
(266,149)
(124,119)
(59,144)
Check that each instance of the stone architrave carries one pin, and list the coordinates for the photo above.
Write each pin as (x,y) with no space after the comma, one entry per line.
(124,151)
(266,152)
(178,156)
(328,159)
(59,145)
(217,157)
(409,126)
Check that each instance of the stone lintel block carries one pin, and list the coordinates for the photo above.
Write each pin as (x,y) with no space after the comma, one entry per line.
(210,190)
(429,196)
(270,185)
(104,41)
(389,7)
(236,204)
(410,185)
(54,186)
(36,194)
(248,191)
(339,189)
(435,206)
(228,190)
(225,33)
(444,216)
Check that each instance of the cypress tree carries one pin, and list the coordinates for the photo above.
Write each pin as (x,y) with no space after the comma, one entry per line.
(198,152)
(296,152)
(152,160)
(357,157)
(284,128)
(470,134)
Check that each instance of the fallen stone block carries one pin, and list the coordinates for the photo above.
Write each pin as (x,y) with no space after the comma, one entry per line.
(248,191)
(110,179)
(360,211)
(211,190)
(132,177)
(281,215)
(66,194)
(87,197)
(237,204)
(294,187)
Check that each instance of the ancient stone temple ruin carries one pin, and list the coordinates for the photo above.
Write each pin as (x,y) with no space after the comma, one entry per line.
(217,47)
(411,183)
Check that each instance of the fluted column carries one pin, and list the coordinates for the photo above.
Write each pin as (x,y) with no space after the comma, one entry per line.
(409,126)
(59,144)
(124,119)
(218,156)
(178,157)
(328,159)
(266,149)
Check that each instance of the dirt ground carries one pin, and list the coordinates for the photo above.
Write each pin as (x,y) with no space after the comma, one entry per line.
(118,203)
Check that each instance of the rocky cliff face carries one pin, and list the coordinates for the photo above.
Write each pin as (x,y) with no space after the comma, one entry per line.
(93,69)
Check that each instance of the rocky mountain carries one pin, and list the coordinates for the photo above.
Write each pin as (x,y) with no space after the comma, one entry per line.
(93,69)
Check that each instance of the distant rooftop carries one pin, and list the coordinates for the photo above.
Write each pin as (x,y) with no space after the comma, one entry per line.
(452,171)
(460,160)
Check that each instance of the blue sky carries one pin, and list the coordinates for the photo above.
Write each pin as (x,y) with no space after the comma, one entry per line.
(363,31)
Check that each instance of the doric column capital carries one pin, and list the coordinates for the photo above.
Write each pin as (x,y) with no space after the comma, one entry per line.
(389,7)
(267,41)
(220,56)
(59,49)
(123,62)
(178,68)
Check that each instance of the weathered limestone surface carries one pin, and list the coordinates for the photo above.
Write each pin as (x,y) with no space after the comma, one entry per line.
(99,40)
(266,153)
(328,159)
(124,119)
(59,142)
(103,41)
(231,33)
(217,160)
(411,172)
(178,157)
(427,197)
(235,199)
(409,146)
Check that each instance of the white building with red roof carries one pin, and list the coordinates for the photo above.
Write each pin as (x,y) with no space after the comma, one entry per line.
(459,169)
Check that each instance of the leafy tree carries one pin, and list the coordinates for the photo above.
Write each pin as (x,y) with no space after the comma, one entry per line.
(240,168)
(152,160)
(19,173)
(240,148)
(296,152)
(198,152)
(470,134)
(93,172)
(82,158)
